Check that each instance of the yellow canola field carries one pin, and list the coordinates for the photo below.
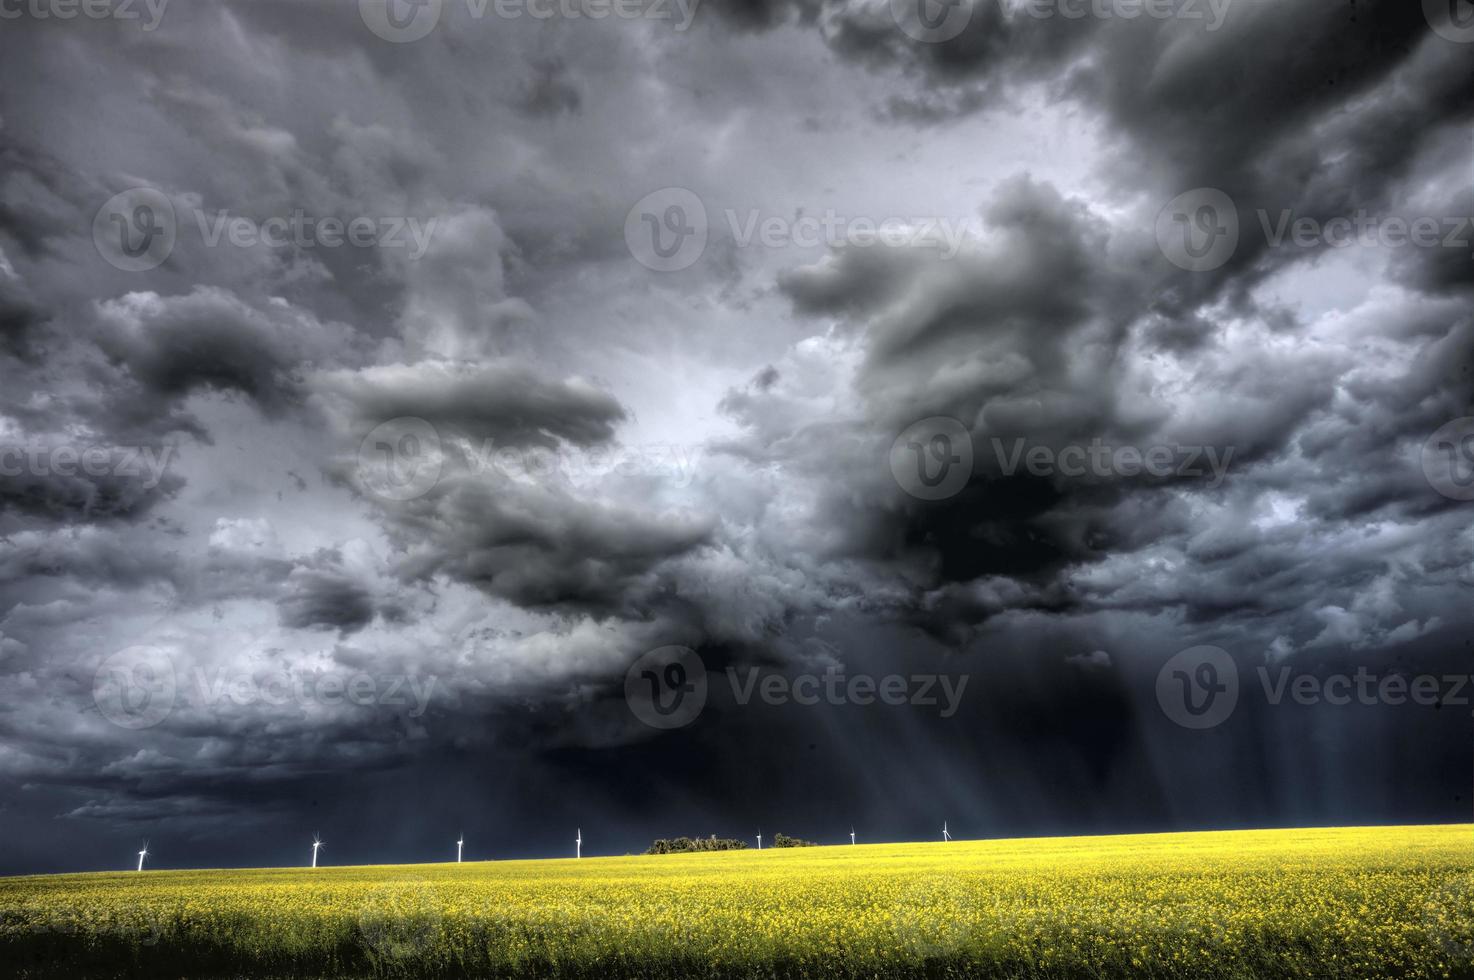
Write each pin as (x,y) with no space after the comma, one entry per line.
(1346,902)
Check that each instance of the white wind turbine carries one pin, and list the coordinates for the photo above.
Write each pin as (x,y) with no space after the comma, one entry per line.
(945,836)
(578,844)
(760,838)
(316,843)
(142,854)
(459,844)
(852,835)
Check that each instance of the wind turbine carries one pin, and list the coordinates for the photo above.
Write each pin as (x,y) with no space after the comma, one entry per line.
(316,843)
(852,835)
(578,844)
(459,844)
(945,836)
(142,854)
(760,838)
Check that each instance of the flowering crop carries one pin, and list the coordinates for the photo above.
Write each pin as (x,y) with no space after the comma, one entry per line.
(1325,903)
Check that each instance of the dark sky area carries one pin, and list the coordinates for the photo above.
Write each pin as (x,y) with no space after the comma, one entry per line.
(417,418)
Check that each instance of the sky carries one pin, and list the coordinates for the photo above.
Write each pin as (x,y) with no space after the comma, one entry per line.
(525,418)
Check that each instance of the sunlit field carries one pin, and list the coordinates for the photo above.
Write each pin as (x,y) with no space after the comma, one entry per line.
(1384,902)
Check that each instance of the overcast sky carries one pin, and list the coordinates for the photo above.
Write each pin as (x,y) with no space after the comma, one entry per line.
(381,381)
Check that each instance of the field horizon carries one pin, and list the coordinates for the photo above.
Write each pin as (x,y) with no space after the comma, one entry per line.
(1316,902)
(326,866)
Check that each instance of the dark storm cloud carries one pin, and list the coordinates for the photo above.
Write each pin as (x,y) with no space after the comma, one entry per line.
(211,340)
(55,480)
(543,548)
(324,598)
(551,91)
(20,315)
(781,375)
(503,402)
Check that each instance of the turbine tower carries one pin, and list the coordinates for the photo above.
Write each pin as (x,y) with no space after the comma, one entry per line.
(852,835)
(760,838)
(578,844)
(459,844)
(142,854)
(316,843)
(945,836)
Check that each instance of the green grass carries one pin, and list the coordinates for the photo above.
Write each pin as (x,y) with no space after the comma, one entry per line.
(1332,903)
